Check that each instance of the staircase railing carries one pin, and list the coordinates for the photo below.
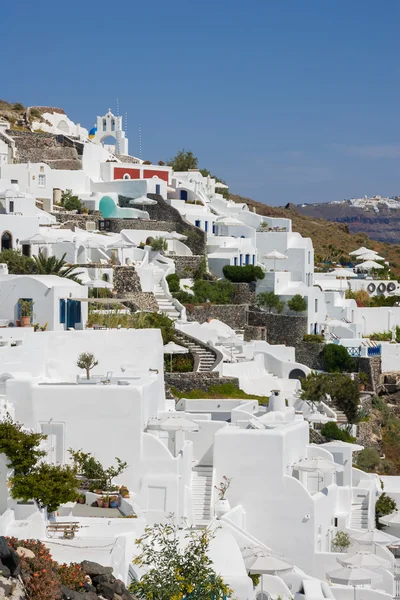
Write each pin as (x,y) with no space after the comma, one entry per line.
(218,355)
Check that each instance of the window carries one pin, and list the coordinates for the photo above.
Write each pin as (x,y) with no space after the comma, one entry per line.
(316,305)
(112,125)
(335,521)
(309,258)
(126,176)
(14,181)
(206,226)
(247,259)
(241,259)
(214,228)
(197,223)
(235,261)
(104,125)
(11,206)
(62,311)
(41,180)
(158,189)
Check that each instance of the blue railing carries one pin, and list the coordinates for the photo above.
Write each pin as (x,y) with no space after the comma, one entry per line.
(354,351)
(374,350)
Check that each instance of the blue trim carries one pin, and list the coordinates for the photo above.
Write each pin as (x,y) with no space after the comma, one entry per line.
(62,311)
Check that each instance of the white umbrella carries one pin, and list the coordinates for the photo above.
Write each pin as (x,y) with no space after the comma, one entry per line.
(375,537)
(174,235)
(362,250)
(342,273)
(94,244)
(369,256)
(317,463)
(99,283)
(143,201)
(178,425)
(268,564)
(364,559)
(228,221)
(172,348)
(392,519)
(38,239)
(353,576)
(121,244)
(221,186)
(336,443)
(275,255)
(368,265)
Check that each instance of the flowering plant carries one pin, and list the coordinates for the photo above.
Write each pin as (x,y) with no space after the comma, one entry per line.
(223,487)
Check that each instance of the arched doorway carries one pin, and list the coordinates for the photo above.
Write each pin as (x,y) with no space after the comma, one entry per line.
(6,241)
(297,374)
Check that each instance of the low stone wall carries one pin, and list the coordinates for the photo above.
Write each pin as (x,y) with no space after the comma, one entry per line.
(140,301)
(252,332)
(245,293)
(187,382)
(233,315)
(126,280)
(310,354)
(281,329)
(70,220)
(185,266)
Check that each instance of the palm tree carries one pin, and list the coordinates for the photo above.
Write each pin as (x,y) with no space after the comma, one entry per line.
(55,266)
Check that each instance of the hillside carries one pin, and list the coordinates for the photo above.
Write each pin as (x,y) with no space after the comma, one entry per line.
(382,225)
(325,233)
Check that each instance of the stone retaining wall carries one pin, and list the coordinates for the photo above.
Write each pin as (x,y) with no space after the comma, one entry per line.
(140,301)
(45,147)
(185,266)
(233,315)
(245,293)
(373,368)
(126,280)
(70,220)
(187,382)
(252,332)
(280,329)
(310,354)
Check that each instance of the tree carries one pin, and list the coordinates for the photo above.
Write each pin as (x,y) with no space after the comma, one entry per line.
(49,485)
(20,446)
(55,266)
(341,540)
(270,300)
(385,505)
(368,459)
(69,201)
(246,274)
(345,394)
(183,161)
(298,303)
(175,571)
(159,244)
(101,478)
(87,361)
(17,263)
(337,359)
(314,387)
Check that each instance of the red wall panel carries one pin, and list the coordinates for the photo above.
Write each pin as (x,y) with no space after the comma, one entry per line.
(148,174)
(119,173)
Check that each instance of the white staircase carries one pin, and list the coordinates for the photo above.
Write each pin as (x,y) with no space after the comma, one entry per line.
(164,304)
(201,495)
(359,513)
(206,357)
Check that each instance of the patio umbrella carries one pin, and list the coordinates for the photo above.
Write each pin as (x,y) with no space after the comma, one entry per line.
(392,519)
(174,235)
(172,348)
(38,240)
(353,576)
(362,250)
(143,201)
(221,186)
(368,265)
(364,559)
(375,537)
(99,283)
(228,221)
(179,425)
(275,255)
(317,463)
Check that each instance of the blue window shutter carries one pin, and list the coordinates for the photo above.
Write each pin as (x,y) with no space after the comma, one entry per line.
(78,314)
(62,311)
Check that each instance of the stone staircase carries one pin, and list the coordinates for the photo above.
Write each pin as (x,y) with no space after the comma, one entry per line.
(164,304)
(206,357)
(359,514)
(201,495)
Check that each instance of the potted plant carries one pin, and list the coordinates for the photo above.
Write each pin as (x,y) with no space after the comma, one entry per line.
(100,502)
(113,501)
(106,501)
(81,499)
(26,310)
(222,505)
(363,378)
(123,490)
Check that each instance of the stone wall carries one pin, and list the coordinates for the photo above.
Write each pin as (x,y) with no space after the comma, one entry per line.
(140,301)
(185,266)
(252,332)
(373,368)
(233,315)
(281,329)
(70,220)
(53,150)
(245,293)
(310,354)
(187,382)
(126,280)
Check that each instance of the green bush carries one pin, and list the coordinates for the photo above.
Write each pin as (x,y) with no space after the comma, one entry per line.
(35,113)
(246,274)
(173,283)
(221,390)
(217,292)
(17,263)
(337,359)
(332,432)
(298,303)
(385,505)
(368,459)
(18,107)
(270,301)
(314,338)
(159,244)
(184,297)
(69,201)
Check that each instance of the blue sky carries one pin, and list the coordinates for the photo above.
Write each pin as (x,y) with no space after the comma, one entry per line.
(287,100)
